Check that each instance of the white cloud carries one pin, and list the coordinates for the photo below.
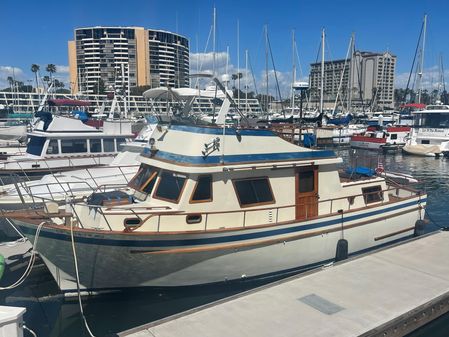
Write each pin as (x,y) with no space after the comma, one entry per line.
(6,71)
(62,69)
(203,63)
(430,79)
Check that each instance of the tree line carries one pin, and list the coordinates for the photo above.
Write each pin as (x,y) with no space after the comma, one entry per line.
(46,80)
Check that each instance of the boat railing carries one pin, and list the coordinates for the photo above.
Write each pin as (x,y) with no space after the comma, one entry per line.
(70,159)
(157,219)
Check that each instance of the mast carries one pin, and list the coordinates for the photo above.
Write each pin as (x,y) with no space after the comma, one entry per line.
(238,64)
(421,67)
(322,71)
(213,40)
(246,82)
(293,73)
(350,72)
(266,65)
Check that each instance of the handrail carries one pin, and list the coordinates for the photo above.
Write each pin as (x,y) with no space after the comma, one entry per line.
(156,211)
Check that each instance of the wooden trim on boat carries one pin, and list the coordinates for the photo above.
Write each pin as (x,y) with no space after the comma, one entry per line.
(394,233)
(275,241)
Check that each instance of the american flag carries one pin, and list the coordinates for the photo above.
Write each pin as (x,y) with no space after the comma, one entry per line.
(380,166)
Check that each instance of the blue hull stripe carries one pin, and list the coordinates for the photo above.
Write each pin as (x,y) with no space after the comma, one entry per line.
(228,131)
(242,158)
(213,239)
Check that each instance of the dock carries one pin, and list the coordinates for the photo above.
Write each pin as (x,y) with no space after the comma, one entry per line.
(389,292)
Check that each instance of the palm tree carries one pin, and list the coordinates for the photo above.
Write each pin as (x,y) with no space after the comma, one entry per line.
(51,69)
(35,69)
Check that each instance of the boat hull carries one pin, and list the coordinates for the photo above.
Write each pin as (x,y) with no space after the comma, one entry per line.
(109,260)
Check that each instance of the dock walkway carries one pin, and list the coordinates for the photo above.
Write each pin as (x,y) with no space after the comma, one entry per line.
(387,293)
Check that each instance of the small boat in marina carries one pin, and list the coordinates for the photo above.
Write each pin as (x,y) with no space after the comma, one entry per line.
(216,204)
(430,132)
(391,138)
(61,143)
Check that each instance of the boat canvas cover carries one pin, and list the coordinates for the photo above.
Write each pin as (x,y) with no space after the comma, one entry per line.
(67,102)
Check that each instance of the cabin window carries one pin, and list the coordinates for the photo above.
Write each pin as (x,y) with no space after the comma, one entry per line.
(372,194)
(255,191)
(394,136)
(95,145)
(425,141)
(35,145)
(203,189)
(170,186)
(73,145)
(306,181)
(120,143)
(53,147)
(108,145)
(145,179)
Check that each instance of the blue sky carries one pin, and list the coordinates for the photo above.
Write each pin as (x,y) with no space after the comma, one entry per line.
(38,31)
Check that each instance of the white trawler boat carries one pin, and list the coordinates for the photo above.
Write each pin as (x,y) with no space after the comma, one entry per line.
(60,143)
(430,132)
(213,204)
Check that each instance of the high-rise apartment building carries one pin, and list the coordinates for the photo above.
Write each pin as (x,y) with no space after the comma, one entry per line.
(368,80)
(127,57)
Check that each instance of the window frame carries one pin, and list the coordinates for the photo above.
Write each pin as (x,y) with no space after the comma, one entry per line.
(61,141)
(378,192)
(154,196)
(152,176)
(191,201)
(48,146)
(104,141)
(90,145)
(257,203)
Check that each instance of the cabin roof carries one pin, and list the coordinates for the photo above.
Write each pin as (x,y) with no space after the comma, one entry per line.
(201,149)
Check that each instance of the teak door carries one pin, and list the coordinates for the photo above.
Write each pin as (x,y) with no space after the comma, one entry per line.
(306,186)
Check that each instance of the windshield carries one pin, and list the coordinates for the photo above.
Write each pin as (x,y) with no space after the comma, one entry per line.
(35,145)
(145,178)
(432,120)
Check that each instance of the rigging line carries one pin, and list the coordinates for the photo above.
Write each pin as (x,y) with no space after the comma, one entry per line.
(204,52)
(275,73)
(30,262)
(413,64)
(254,81)
(75,259)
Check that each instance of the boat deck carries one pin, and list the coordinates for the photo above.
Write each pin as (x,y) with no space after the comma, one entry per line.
(387,293)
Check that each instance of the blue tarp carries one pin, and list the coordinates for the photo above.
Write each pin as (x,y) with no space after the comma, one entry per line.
(81,115)
(364,171)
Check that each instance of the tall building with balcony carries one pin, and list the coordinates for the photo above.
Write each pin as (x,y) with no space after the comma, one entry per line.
(121,57)
(368,80)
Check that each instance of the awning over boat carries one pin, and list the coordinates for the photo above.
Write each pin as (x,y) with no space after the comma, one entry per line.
(67,102)
(413,105)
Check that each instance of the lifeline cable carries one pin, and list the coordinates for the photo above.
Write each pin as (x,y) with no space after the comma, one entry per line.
(30,262)
(78,281)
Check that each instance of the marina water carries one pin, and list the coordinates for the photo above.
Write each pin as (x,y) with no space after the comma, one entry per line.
(49,314)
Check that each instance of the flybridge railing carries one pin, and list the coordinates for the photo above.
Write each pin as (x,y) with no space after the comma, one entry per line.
(161,218)
(36,193)
(70,160)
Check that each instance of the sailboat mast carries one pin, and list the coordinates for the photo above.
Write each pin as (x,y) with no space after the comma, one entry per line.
(213,40)
(238,64)
(322,71)
(350,73)
(293,73)
(266,65)
(246,81)
(421,67)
